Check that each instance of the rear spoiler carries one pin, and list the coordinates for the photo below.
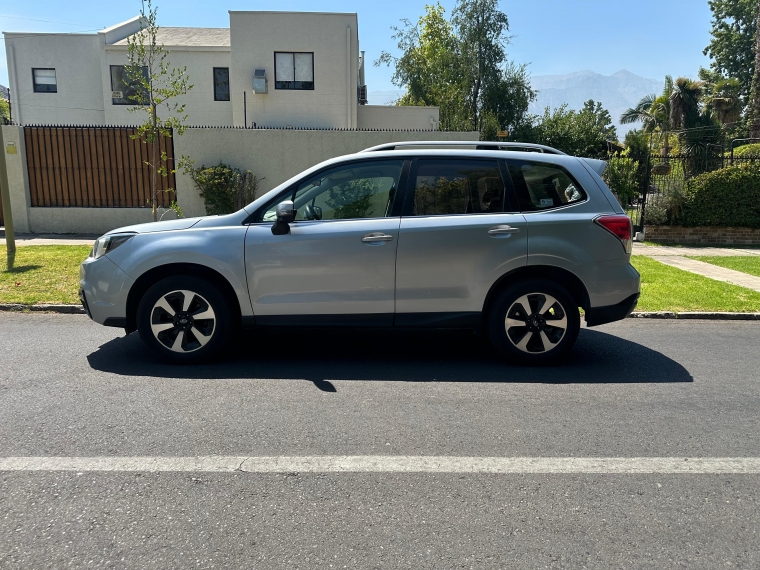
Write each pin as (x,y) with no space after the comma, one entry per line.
(598,166)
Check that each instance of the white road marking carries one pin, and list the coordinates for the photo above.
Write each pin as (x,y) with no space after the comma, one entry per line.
(390,464)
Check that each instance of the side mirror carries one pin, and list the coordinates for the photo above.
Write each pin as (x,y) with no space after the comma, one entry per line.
(286,213)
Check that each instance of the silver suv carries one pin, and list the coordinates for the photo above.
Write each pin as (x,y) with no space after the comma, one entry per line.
(506,239)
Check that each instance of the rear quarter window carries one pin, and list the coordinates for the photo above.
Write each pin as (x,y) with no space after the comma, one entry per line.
(542,185)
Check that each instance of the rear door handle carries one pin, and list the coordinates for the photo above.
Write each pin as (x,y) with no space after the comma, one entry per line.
(502,230)
(376,238)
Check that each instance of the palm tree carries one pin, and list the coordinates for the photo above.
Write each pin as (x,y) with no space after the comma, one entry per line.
(653,113)
(684,103)
(724,99)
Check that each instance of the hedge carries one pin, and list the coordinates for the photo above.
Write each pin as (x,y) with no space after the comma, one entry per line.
(729,197)
(747,150)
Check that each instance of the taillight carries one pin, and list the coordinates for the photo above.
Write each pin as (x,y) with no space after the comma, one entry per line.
(620,227)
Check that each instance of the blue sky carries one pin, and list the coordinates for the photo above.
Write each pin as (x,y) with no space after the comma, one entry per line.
(650,38)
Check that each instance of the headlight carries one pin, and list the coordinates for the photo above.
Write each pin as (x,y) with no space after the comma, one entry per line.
(108,243)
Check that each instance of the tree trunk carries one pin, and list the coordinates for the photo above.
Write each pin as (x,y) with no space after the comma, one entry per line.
(154,162)
(754,97)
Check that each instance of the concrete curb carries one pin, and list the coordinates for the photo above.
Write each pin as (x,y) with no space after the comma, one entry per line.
(710,316)
(66,309)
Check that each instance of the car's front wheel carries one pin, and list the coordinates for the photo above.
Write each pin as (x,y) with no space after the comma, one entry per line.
(184,319)
(534,321)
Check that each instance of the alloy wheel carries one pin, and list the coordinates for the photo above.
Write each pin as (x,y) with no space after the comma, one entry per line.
(536,323)
(182,321)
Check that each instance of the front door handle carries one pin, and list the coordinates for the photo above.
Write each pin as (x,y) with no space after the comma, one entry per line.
(502,230)
(376,238)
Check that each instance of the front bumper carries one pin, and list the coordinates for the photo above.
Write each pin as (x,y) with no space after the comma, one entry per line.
(603,315)
(103,290)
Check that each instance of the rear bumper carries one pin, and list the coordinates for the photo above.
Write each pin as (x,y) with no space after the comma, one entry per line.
(610,313)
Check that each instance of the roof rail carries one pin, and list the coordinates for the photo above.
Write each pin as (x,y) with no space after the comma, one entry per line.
(479,145)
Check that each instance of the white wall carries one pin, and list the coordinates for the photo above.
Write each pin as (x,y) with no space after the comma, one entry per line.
(200,108)
(76,59)
(392,117)
(255,36)
(277,155)
(17,177)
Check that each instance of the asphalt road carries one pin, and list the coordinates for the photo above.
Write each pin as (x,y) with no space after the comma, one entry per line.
(688,389)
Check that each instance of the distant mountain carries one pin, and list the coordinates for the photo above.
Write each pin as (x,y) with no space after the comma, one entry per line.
(5,92)
(616,92)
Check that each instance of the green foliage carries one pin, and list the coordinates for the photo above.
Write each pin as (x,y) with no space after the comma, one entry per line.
(224,189)
(747,150)
(5,111)
(156,86)
(726,197)
(732,47)
(637,143)
(580,133)
(461,66)
(622,177)
(444,197)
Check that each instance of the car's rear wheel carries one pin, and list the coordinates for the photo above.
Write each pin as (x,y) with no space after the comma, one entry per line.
(184,319)
(534,321)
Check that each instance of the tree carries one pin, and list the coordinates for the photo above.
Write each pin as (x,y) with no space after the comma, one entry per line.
(580,133)
(481,29)
(732,48)
(461,66)
(653,112)
(156,89)
(754,99)
(5,111)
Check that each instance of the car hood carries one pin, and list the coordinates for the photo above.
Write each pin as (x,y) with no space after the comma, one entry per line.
(180,224)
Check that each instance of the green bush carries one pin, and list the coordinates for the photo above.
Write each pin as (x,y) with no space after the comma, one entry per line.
(224,189)
(747,150)
(621,176)
(726,197)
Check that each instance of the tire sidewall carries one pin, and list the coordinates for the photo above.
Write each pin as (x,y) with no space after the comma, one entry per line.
(498,312)
(208,291)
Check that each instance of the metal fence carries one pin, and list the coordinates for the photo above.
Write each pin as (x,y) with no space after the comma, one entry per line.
(93,167)
(660,183)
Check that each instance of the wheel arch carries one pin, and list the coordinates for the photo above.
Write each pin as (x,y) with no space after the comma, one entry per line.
(561,276)
(152,276)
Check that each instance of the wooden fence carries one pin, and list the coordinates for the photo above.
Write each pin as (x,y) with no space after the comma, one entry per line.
(93,167)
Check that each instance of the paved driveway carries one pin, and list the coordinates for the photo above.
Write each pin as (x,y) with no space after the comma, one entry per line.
(671,390)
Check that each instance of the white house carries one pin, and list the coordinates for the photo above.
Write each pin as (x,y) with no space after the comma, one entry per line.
(268,69)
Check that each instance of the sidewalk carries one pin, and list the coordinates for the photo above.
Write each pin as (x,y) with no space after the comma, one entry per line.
(679,257)
(50,239)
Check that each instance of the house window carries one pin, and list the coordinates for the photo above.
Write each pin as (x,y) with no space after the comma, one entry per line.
(44,80)
(126,91)
(221,84)
(293,70)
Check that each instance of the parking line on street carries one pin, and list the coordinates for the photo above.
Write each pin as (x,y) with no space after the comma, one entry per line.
(390,464)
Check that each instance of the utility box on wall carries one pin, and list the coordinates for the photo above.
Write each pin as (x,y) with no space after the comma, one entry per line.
(259,81)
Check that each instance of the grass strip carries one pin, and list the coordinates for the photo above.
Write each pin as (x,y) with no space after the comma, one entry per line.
(666,288)
(744,263)
(42,274)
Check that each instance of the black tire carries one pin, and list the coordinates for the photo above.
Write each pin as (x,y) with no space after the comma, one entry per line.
(542,340)
(181,337)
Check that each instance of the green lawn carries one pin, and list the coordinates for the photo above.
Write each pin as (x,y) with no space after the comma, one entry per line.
(50,273)
(42,274)
(743,263)
(665,288)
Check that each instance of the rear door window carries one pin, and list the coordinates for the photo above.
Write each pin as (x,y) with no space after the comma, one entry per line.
(459,186)
(542,185)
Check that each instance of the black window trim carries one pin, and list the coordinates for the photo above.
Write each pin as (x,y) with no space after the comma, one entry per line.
(34,82)
(313,73)
(290,191)
(553,208)
(213,81)
(408,211)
